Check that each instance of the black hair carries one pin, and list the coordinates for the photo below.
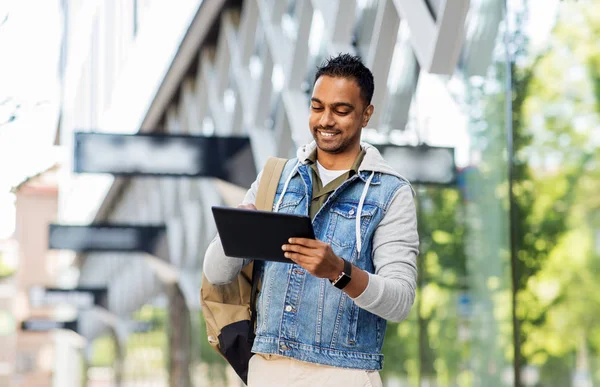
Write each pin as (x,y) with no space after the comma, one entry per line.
(349,66)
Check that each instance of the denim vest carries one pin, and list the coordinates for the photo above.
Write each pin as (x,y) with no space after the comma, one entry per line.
(304,317)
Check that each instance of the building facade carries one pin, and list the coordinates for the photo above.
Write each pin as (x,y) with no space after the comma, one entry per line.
(8,325)
(37,356)
(444,77)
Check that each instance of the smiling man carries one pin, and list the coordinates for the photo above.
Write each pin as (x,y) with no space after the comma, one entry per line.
(321,320)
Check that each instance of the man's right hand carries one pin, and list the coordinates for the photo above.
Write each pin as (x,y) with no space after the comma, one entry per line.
(248,206)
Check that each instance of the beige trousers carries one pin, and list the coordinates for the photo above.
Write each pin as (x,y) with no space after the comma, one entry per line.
(278,371)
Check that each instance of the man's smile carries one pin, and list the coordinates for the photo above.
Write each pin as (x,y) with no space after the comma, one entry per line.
(326,134)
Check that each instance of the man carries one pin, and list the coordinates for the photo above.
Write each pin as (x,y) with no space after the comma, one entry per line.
(321,320)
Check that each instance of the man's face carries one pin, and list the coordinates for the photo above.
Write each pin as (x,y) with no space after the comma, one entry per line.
(337,114)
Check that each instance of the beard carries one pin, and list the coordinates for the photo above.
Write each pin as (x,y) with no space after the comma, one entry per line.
(338,143)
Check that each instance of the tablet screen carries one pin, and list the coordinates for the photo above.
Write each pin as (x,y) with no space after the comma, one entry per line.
(259,234)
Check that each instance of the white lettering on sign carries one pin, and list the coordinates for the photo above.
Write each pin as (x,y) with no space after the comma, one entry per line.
(74,298)
(39,296)
(82,238)
(41,325)
(141,154)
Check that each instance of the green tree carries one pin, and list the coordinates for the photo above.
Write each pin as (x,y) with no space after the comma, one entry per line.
(541,210)
(423,348)
(555,104)
(557,306)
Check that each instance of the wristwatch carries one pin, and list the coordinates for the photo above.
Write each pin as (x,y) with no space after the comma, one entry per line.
(344,278)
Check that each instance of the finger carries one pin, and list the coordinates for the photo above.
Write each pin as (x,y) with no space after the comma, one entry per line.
(298,258)
(311,243)
(298,249)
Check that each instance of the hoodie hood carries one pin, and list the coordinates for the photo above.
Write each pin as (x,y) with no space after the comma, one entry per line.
(372,162)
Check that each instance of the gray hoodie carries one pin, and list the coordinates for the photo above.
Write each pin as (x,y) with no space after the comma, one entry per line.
(390,292)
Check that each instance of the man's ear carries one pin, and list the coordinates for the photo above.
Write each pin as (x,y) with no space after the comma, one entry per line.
(367,115)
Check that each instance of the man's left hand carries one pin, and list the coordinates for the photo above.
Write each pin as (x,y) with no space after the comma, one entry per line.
(315,256)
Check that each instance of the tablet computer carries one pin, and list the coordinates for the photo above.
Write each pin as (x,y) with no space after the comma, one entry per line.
(259,234)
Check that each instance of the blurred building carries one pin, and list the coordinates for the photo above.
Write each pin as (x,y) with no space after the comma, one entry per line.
(44,357)
(8,325)
(246,67)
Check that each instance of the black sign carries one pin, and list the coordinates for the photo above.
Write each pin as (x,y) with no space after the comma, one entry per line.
(105,238)
(227,158)
(81,298)
(422,164)
(45,325)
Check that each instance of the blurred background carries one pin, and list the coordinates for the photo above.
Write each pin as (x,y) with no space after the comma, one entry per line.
(490,107)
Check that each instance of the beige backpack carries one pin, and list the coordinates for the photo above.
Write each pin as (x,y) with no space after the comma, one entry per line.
(229,310)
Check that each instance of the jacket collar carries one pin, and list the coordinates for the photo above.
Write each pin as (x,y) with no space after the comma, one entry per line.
(372,161)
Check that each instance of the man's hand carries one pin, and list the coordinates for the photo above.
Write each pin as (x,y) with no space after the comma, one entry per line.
(249,206)
(315,256)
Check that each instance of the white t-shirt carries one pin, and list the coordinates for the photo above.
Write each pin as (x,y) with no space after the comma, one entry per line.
(328,175)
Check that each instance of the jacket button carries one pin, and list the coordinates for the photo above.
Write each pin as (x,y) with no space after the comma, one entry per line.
(351,212)
(283,347)
(288,308)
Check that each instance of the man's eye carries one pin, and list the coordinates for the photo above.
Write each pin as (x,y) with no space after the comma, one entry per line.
(342,112)
(317,108)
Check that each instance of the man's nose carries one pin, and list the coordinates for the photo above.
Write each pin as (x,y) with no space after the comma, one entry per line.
(327,120)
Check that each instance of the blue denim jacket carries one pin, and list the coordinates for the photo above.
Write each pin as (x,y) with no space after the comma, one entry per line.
(304,317)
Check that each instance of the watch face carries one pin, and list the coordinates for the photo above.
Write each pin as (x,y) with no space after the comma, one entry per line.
(342,282)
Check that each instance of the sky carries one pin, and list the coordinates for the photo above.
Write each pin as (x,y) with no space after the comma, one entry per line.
(29,52)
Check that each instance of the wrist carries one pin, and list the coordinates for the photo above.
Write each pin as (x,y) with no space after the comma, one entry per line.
(339,268)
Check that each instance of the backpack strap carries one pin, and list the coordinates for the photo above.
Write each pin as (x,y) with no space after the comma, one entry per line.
(269,180)
(265,197)
(253,294)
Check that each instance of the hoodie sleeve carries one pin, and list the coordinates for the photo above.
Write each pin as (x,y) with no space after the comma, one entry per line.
(390,292)
(220,269)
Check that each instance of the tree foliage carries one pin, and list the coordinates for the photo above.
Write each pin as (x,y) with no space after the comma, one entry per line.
(561,113)
(555,103)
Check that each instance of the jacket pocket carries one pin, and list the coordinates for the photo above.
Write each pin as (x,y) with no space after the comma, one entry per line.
(345,334)
(342,226)
(353,326)
(289,203)
(263,301)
